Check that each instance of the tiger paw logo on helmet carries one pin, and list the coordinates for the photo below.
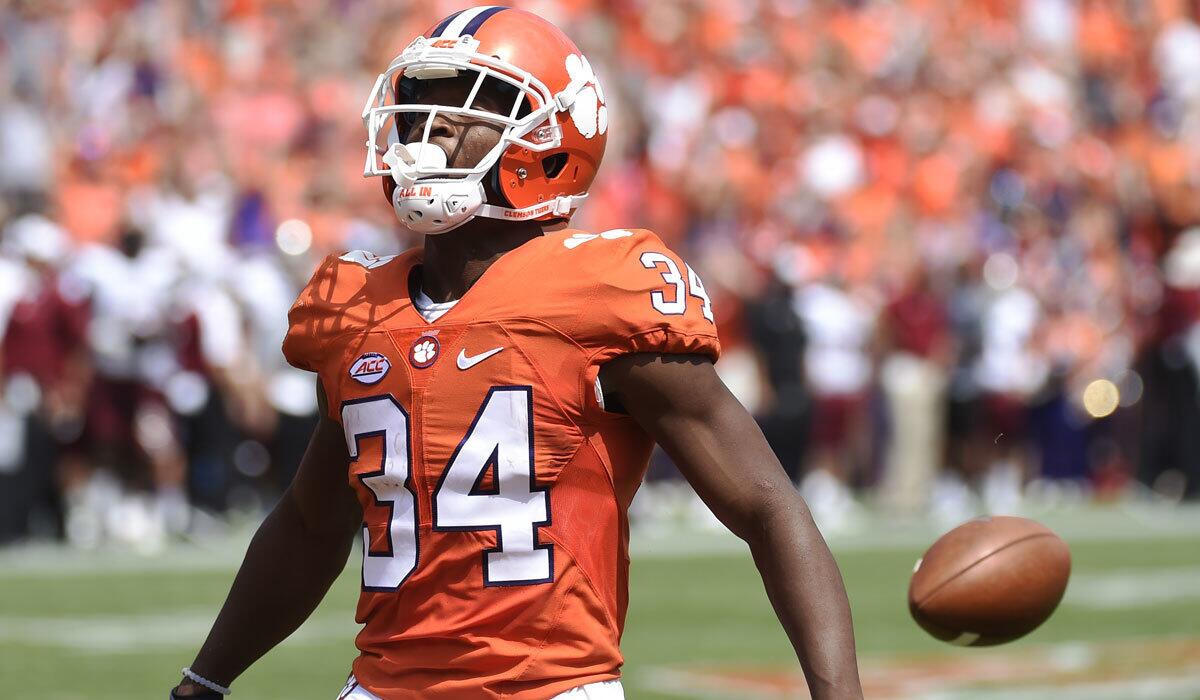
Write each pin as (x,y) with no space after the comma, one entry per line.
(589,111)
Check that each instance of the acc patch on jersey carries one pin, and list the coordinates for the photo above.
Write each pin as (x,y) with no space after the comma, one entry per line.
(370,368)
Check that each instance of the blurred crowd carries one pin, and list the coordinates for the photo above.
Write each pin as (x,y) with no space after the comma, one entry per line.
(952,245)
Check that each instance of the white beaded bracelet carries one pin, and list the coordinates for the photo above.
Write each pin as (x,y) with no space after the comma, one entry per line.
(197,678)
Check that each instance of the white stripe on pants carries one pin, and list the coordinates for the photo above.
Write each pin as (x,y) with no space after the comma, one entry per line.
(605,690)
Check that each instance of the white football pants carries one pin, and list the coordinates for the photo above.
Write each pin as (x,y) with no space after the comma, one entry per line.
(607,690)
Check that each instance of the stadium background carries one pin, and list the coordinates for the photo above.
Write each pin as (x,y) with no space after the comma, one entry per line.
(952,248)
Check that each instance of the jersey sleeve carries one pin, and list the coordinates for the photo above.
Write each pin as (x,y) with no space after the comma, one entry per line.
(638,296)
(347,293)
(309,319)
(340,297)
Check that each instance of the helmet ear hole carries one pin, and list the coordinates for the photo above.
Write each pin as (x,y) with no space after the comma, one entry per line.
(554,165)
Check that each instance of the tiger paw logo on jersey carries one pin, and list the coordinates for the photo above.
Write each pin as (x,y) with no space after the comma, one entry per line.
(424,352)
(370,368)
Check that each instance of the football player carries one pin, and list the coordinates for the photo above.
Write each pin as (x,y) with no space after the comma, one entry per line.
(490,402)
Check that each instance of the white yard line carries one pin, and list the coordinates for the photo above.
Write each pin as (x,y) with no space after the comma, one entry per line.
(875,532)
(680,683)
(671,540)
(1134,588)
(1026,675)
(1183,687)
(60,560)
(133,634)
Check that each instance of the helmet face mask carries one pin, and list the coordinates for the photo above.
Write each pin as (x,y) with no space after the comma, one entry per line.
(434,192)
(470,91)
(385,114)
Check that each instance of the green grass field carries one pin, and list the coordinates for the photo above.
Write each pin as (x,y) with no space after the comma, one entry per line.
(112,625)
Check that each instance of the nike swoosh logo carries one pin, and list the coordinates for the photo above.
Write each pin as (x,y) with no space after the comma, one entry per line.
(467,361)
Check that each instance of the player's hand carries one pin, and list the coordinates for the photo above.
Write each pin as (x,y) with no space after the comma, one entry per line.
(195,691)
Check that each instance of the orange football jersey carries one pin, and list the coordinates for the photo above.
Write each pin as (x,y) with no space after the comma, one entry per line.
(494,485)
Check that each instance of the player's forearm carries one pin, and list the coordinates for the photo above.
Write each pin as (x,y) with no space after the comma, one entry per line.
(286,572)
(805,587)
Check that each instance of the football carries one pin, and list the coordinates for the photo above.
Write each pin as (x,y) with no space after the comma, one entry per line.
(989,581)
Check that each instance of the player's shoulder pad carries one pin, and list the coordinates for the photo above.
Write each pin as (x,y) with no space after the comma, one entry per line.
(625,291)
(345,292)
(599,258)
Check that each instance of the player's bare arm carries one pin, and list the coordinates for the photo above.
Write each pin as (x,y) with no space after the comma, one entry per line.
(682,403)
(293,559)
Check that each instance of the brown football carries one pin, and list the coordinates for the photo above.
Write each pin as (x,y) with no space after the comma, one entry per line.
(989,581)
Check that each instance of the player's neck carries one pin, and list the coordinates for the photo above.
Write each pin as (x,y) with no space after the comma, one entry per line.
(456,260)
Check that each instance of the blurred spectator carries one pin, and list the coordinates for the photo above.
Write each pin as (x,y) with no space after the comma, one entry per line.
(1009,370)
(43,376)
(913,378)
(26,149)
(838,327)
(129,432)
(778,334)
(1171,456)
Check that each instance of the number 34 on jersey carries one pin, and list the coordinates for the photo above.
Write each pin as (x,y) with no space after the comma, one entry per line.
(459,464)
(499,442)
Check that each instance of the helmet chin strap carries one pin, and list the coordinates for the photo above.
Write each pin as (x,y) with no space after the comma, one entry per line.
(439,205)
(559,206)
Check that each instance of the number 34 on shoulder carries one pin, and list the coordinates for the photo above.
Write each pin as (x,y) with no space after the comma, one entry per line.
(675,303)
(653,255)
